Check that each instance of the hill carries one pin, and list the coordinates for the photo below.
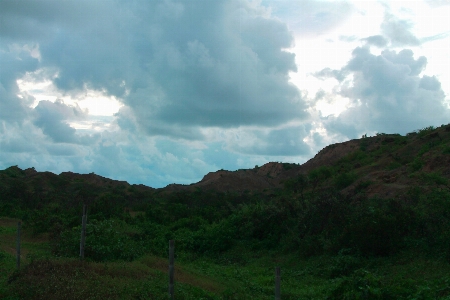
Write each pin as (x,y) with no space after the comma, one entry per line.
(363,219)
(385,160)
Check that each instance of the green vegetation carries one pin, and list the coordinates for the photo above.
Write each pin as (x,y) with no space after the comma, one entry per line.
(332,230)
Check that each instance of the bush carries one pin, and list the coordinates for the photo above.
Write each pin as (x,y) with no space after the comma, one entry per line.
(376,227)
(319,175)
(435,178)
(425,130)
(344,180)
(361,285)
(344,264)
(432,224)
(213,240)
(106,240)
(297,184)
(416,165)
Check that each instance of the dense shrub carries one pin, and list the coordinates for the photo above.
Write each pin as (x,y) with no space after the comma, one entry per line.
(329,223)
(344,263)
(377,226)
(344,180)
(107,206)
(216,238)
(297,184)
(106,240)
(362,285)
(432,220)
(320,174)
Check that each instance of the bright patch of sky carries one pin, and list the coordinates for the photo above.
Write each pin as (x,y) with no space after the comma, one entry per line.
(165,91)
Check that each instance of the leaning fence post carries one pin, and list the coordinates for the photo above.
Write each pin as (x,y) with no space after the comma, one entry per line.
(171,267)
(18,244)
(83,232)
(277,283)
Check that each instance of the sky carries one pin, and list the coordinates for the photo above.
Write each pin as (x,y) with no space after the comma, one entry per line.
(160,92)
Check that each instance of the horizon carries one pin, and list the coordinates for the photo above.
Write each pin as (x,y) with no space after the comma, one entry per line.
(167,91)
(214,171)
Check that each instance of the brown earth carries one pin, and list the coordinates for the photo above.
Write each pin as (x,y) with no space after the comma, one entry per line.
(386,179)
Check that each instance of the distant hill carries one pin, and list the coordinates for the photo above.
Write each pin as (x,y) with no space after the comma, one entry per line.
(386,161)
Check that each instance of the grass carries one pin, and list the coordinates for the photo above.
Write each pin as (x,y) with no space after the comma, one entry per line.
(237,274)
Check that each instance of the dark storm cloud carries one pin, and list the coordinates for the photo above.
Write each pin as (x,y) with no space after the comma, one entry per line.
(176,65)
(388,94)
(226,69)
(25,21)
(182,69)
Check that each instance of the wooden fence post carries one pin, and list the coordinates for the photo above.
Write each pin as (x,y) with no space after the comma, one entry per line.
(18,244)
(277,283)
(171,268)
(83,232)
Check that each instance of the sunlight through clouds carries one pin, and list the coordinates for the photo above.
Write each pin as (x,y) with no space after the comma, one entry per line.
(97,103)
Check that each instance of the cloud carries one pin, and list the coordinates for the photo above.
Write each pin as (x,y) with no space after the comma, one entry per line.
(12,141)
(229,74)
(52,118)
(285,141)
(435,37)
(348,38)
(388,94)
(376,40)
(15,61)
(399,31)
(309,17)
(204,85)
(181,68)
(330,73)
(437,3)
(176,65)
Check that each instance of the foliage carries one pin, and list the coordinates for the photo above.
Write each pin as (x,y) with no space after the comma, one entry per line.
(334,239)
(344,263)
(416,165)
(343,180)
(297,184)
(107,206)
(319,175)
(376,227)
(287,166)
(362,285)
(425,130)
(106,240)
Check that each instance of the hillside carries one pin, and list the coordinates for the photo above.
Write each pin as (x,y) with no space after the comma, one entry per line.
(385,160)
(363,219)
